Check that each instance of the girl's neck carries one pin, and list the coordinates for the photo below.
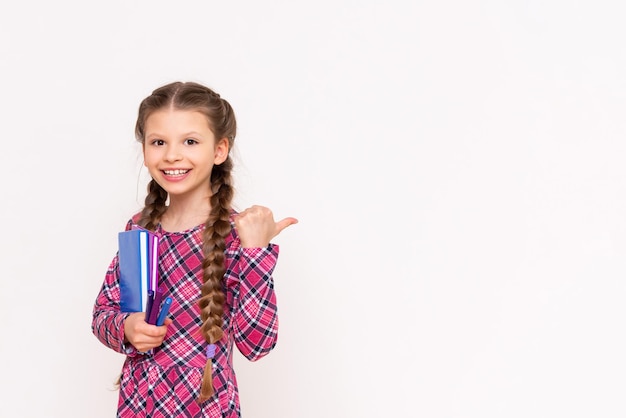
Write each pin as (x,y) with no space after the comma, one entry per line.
(181,217)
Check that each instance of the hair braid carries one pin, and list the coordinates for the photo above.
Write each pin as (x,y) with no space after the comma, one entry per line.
(212,298)
(154,206)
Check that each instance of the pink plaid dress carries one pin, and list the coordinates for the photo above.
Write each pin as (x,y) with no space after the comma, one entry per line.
(166,382)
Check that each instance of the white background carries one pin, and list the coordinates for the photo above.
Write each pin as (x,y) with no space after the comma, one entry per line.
(457,169)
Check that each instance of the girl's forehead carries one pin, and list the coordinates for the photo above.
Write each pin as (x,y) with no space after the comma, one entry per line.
(177,122)
(178,116)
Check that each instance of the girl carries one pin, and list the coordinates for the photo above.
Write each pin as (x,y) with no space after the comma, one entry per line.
(216,265)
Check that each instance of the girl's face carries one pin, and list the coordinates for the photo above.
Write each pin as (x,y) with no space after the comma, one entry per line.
(180,151)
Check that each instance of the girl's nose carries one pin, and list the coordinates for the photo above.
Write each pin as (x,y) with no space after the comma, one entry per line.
(173,154)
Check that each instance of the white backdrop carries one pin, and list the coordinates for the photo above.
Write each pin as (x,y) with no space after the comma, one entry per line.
(457,169)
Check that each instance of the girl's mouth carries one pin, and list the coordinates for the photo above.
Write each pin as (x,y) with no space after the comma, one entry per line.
(175,172)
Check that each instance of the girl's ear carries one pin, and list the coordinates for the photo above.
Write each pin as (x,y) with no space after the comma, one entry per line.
(221,151)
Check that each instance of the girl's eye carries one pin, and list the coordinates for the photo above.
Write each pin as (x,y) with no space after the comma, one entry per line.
(158,142)
(190,141)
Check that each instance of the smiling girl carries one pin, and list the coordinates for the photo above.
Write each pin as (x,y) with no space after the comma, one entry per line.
(215,263)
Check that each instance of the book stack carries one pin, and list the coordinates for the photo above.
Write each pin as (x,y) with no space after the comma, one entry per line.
(139,282)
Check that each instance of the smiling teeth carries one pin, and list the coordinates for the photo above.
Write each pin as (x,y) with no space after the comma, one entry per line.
(175,172)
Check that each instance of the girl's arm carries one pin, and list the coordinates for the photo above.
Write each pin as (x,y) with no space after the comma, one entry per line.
(108,322)
(254,311)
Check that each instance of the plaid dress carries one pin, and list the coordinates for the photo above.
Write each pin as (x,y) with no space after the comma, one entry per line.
(166,382)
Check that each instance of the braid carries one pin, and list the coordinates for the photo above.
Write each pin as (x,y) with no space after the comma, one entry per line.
(212,298)
(154,206)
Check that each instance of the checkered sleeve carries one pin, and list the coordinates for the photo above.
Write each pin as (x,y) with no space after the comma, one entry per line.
(255,317)
(108,322)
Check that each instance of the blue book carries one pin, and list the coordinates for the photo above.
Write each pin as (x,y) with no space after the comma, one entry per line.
(134,265)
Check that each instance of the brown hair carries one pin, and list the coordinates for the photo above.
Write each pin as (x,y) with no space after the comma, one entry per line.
(222,122)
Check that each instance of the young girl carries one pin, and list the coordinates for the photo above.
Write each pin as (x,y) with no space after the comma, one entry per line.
(216,265)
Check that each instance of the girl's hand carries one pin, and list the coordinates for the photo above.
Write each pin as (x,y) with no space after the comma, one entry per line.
(141,335)
(256,226)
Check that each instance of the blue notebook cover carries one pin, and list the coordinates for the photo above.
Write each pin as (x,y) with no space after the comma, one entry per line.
(134,264)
